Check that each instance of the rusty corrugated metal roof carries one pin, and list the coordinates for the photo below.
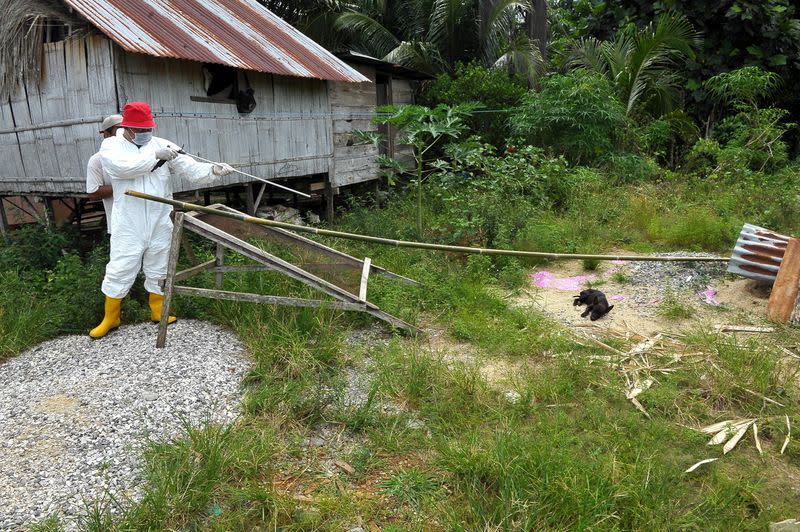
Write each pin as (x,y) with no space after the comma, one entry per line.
(758,253)
(238,33)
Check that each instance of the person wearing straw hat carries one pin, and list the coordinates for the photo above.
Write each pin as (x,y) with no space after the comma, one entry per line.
(141,231)
(98,184)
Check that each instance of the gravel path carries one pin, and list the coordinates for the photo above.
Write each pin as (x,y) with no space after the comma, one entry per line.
(75,413)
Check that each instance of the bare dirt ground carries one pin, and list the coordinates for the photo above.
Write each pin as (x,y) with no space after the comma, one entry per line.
(642,307)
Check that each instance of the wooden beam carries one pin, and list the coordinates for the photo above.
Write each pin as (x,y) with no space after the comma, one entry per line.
(194,270)
(258,198)
(783,298)
(271,300)
(329,211)
(169,282)
(362,290)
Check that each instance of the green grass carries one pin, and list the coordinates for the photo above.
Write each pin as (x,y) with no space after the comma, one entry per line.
(674,307)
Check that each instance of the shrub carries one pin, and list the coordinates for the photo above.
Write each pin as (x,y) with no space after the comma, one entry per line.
(487,196)
(33,247)
(492,88)
(576,115)
(630,168)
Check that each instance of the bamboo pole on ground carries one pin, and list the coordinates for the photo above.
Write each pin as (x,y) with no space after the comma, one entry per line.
(416,245)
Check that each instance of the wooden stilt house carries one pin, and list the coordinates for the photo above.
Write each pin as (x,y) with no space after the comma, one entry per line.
(201,64)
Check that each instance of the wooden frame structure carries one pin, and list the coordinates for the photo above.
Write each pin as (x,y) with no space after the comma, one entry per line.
(215,230)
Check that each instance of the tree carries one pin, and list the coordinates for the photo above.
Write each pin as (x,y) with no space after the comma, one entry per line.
(421,128)
(736,33)
(434,35)
(642,64)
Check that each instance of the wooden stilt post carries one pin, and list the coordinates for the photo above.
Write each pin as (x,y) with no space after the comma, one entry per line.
(258,198)
(169,282)
(250,199)
(3,219)
(783,300)
(328,198)
(219,262)
(207,198)
(49,211)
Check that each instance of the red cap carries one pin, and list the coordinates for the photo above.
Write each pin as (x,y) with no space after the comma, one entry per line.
(137,114)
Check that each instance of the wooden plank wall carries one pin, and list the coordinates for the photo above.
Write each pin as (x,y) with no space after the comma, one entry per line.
(402,94)
(352,105)
(77,82)
(288,134)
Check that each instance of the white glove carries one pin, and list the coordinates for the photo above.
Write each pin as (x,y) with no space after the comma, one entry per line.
(221,169)
(166,154)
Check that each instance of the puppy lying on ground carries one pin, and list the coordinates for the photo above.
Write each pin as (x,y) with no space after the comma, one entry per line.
(595,301)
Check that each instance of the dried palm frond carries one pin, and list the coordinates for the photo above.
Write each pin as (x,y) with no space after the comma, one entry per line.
(22,32)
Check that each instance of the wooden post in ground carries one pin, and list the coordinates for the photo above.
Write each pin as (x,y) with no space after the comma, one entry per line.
(250,199)
(218,262)
(3,219)
(783,300)
(169,282)
(328,199)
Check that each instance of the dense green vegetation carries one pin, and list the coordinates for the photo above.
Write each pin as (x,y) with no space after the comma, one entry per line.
(635,126)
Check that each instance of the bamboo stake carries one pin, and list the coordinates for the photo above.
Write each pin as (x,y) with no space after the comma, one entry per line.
(409,244)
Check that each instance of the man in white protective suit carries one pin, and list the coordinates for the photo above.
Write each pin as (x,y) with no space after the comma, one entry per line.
(141,230)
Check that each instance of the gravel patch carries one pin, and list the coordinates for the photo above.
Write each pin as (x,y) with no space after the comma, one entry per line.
(75,413)
(676,276)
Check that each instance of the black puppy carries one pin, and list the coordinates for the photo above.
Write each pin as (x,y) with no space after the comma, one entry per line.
(595,301)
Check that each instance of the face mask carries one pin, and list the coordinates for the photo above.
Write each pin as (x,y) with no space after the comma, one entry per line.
(140,139)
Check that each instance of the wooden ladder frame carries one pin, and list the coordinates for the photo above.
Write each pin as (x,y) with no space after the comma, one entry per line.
(202,225)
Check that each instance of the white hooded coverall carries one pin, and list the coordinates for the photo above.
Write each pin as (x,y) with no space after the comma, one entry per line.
(141,230)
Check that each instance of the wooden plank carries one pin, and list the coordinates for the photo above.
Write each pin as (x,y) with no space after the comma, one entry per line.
(783,298)
(355,151)
(362,289)
(169,282)
(342,125)
(270,300)
(194,270)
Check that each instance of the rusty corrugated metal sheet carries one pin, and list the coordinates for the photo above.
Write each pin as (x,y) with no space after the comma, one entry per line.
(238,33)
(758,253)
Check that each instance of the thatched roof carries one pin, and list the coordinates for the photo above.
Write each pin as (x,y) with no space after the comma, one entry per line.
(22,30)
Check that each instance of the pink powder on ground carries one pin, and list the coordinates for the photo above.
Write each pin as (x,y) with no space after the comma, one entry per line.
(545,279)
(709,296)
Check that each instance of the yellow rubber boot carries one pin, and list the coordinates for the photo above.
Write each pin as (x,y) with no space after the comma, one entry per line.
(111,319)
(156,303)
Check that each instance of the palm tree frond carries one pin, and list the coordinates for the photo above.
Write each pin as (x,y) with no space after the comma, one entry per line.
(366,31)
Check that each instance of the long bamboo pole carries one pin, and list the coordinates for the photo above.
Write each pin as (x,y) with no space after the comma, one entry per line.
(418,245)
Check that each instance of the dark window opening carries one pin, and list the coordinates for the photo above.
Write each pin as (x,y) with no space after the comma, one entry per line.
(55,30)
(225,84)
